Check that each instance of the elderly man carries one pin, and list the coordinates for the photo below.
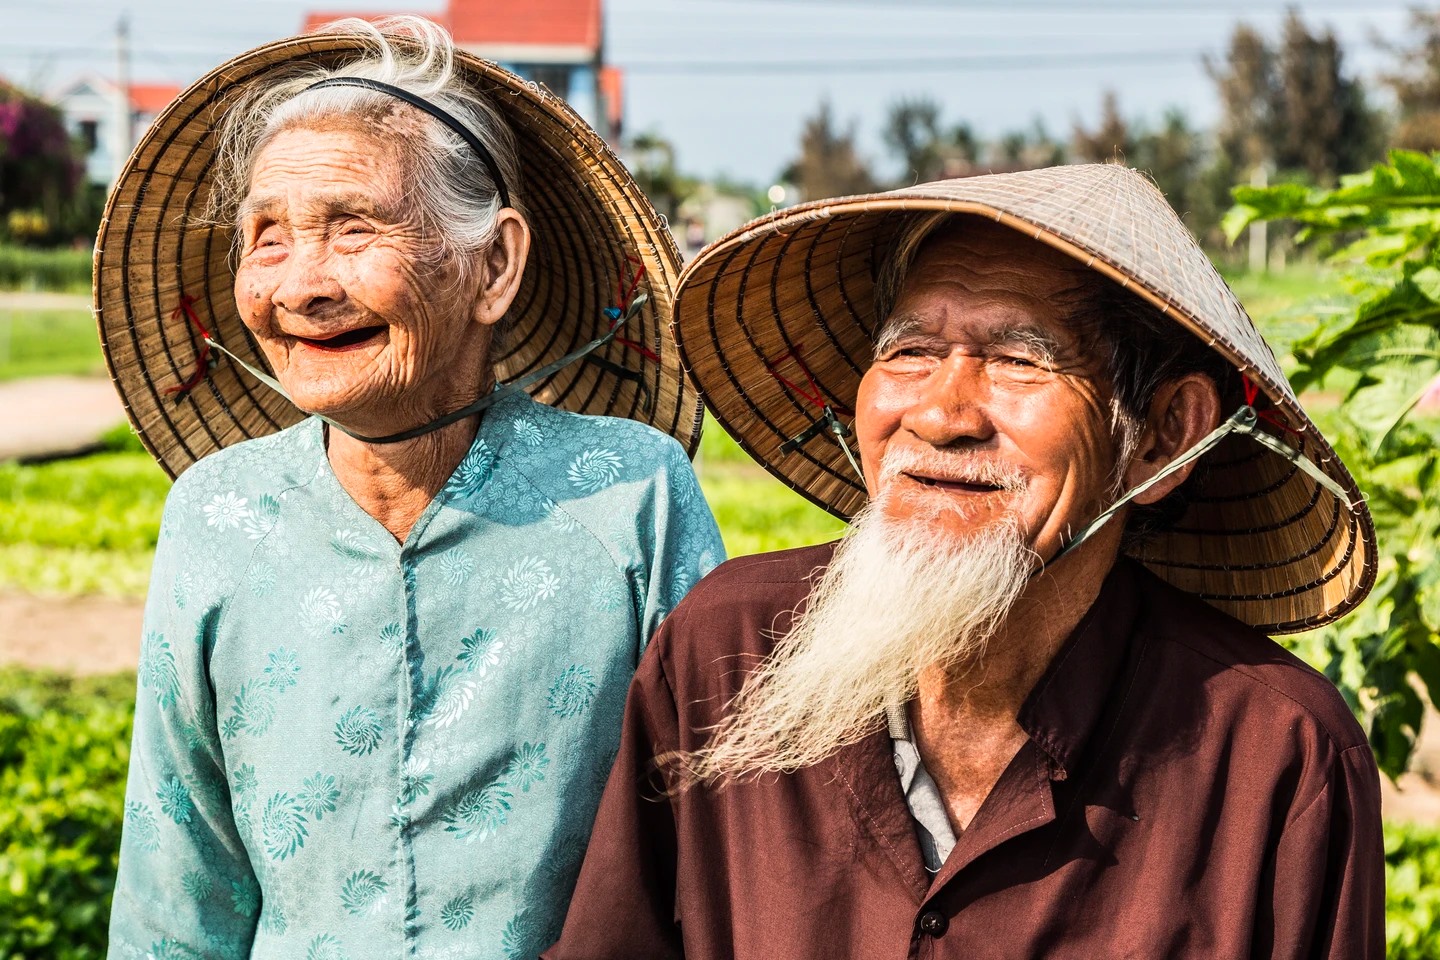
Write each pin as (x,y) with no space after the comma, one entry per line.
(1026,707)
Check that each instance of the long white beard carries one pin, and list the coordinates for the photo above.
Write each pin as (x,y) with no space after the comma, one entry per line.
(896,599)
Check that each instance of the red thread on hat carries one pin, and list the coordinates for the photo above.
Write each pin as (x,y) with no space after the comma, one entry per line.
(1271,416)
(813,394)
(626,294)
(202,358)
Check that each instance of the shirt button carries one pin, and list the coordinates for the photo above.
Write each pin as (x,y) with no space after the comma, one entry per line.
(934,923)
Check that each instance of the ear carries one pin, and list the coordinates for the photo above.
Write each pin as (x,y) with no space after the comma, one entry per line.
(1182,413)
(502,267)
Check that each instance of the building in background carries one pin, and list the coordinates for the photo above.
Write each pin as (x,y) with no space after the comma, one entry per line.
(559,43)
(92,107)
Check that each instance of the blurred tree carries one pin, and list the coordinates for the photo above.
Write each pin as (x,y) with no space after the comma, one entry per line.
(1172,156)
(1110,140)
(651,159)
(912,132)
(1246,85)
(918,137)
(39,170)
(1291,109)
(829,165)
(1416,83)
(1322,124)
(1025,150)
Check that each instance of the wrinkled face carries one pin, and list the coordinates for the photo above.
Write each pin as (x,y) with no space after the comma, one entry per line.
(341,287)
(980,405)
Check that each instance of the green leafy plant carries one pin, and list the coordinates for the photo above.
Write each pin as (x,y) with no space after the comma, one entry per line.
(1412,892)
(64,749)
(64,269)
(1378,347)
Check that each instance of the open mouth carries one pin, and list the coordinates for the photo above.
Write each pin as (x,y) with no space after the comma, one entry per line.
(347,340)
(956,486)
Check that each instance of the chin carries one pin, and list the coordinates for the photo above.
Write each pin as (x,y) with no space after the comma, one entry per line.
(940,512)
(338,401)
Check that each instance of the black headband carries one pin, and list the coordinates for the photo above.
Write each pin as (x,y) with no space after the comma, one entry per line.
(422,104)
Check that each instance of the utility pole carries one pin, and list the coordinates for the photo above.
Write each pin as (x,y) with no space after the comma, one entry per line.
(1259,238)
(123,134)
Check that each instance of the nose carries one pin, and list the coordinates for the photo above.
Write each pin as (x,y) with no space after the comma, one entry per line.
(309,284)
(950,407)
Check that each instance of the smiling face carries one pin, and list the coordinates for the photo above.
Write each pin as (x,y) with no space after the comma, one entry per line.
(345,294)
(981,405)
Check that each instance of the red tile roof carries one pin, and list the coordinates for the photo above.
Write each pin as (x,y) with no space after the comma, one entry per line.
(612,90)
(529,22)
(315,20)
(152,97)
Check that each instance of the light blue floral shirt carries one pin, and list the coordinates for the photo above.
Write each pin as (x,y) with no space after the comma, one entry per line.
(346,747)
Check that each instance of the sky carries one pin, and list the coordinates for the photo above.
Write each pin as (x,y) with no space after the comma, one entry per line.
(730,82)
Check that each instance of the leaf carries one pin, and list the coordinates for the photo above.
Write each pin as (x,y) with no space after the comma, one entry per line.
(1427,281)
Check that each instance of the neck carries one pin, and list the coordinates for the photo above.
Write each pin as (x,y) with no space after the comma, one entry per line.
(395,482)
(964,717)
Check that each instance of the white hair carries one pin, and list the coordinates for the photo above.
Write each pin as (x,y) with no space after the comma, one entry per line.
(450,187)
(897,598)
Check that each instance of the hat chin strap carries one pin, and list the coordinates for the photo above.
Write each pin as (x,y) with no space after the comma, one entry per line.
(500,392)
(1244,421)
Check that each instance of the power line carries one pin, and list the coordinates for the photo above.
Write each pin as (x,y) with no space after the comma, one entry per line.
(1149,7)
(903,64)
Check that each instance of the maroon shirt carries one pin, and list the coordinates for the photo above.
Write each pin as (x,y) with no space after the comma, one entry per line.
(1189,789)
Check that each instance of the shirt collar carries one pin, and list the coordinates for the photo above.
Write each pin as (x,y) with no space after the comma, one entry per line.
(1061,713)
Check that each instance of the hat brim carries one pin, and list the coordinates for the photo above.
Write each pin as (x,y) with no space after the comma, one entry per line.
(592,228)
(789,298)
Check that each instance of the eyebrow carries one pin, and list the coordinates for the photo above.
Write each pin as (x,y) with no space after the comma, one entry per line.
(1032,336)
(365,204)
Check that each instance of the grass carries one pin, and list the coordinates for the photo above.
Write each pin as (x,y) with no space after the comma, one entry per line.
(61,270)
(1280,302)
(36,343)
(81,526)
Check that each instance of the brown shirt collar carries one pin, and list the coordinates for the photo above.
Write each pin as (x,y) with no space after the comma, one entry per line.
(1061,713)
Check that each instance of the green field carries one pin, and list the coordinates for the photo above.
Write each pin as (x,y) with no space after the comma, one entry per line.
(37,343)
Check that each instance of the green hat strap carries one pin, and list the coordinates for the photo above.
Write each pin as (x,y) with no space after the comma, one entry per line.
(1245,422)
(617,315)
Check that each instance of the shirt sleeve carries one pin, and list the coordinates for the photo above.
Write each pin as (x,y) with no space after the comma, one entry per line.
(685,543)
(185,887)
(1328,886)
(630,867)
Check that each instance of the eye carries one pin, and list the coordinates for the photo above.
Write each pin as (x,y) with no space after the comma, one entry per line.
(355,227)
(269,238)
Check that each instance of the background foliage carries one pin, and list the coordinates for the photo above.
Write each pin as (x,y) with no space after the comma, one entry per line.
(64,748)
(1378,347)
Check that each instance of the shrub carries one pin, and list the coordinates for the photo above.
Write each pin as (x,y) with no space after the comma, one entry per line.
(63,270)
(1412,892)
(64,748)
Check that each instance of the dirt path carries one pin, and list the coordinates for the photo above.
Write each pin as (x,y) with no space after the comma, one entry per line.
(72,634)
(42,300)
(55,416)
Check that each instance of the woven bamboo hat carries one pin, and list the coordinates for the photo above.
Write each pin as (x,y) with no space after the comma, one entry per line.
(592,230)
(775,322)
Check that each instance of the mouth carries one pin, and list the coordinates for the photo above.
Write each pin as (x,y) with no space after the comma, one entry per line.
(956,485)
(345,340)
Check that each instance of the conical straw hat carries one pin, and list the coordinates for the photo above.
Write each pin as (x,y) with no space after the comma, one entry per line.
(777,318)
(592,230)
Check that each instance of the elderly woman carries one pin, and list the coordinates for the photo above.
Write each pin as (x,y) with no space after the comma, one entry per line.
(386,647)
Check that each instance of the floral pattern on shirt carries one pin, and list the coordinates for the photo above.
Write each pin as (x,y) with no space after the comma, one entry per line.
(348,747)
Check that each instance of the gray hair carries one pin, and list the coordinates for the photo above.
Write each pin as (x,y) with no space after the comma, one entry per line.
(450,187)
(1139,350)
